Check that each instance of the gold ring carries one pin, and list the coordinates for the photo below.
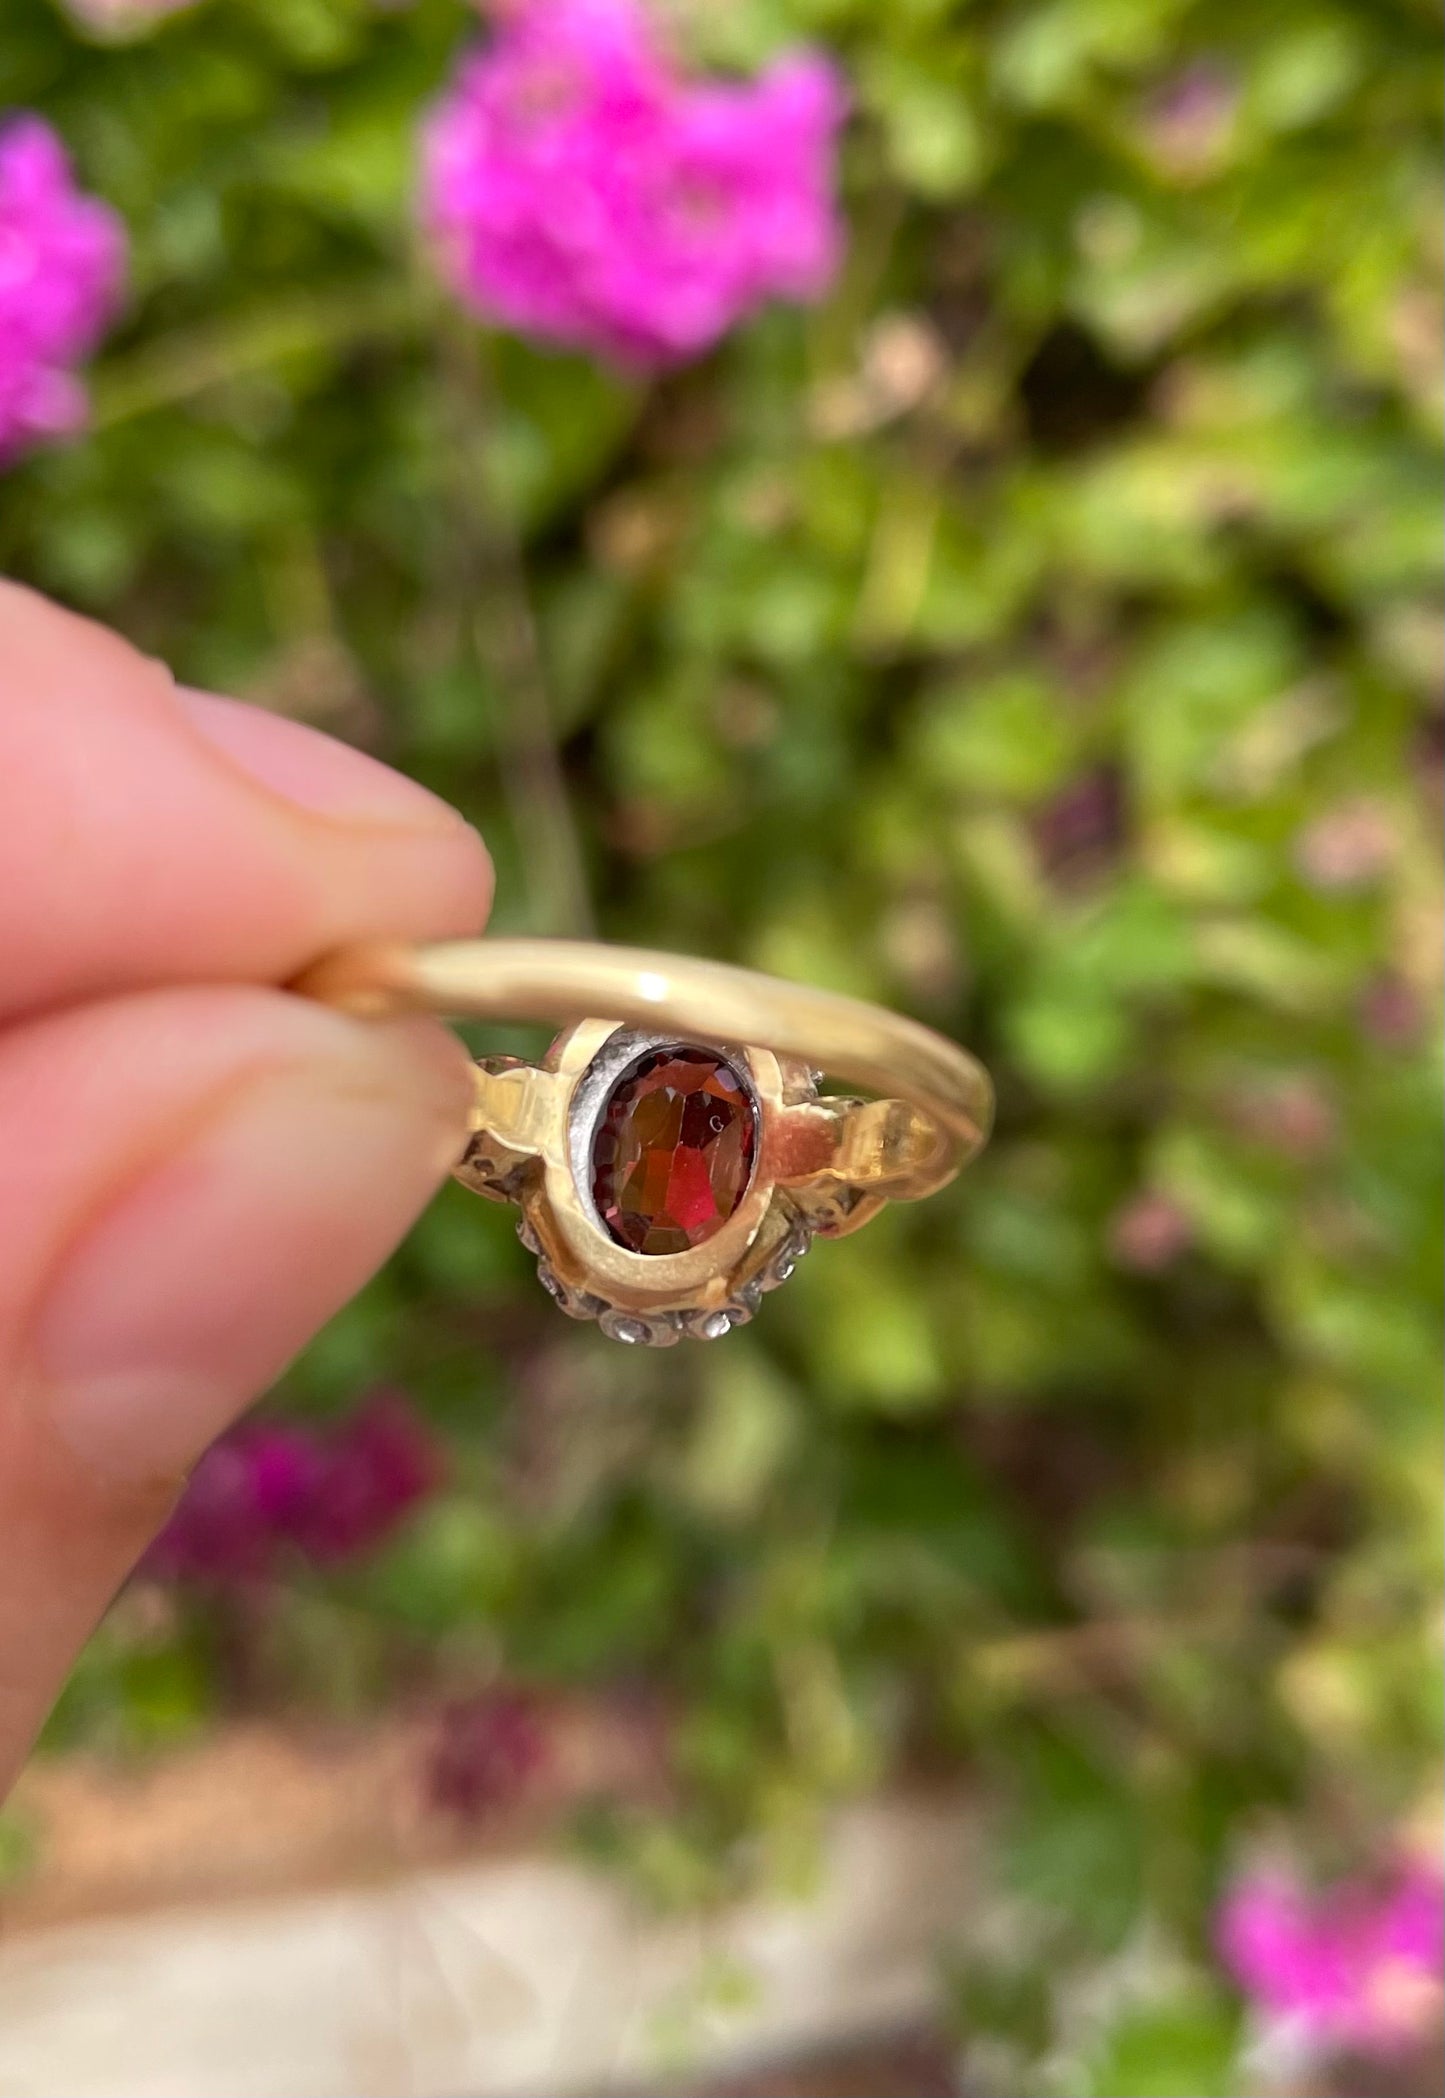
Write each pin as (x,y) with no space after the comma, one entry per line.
(672,1155)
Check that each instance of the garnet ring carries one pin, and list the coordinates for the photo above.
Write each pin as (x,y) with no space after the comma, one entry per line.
(672,1155)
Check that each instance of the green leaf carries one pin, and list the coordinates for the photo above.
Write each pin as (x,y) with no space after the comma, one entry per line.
(1188,2048)
(1075,1842)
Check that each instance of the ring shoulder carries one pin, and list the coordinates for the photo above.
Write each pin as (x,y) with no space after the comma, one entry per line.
(513,1124)
(879,1148)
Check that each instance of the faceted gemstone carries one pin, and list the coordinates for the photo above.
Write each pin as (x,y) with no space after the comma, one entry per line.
(673,1150)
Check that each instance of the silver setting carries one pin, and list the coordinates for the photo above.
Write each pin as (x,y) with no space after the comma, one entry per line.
(710,1325)
(662,1329)
(784,1262)
(658,1329)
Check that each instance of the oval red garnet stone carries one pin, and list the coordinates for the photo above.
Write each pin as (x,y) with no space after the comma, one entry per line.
(673,1151)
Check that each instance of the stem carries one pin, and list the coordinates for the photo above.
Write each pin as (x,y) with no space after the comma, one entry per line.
(531,767)
(503,635)
(181,366)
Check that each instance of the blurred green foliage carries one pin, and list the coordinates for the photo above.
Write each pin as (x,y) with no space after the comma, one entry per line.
(1042,636)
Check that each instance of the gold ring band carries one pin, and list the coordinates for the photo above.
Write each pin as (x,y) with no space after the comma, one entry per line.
(560,981)
(815,1164)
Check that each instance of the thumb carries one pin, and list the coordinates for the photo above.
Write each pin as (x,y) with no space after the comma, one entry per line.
(192,1182)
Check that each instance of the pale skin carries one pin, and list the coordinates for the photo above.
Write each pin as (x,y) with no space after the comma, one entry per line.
(196,1167)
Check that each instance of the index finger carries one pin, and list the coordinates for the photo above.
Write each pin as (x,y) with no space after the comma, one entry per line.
(150,836)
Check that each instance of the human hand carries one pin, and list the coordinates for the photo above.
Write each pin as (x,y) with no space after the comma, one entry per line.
(196,1169)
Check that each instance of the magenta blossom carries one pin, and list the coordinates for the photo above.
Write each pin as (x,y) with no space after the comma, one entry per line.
(374,1472)
(1189,124)
(62,259)
(580,189)
(1149,1232)
(273,1487)
(1358,1969)
(485,1751)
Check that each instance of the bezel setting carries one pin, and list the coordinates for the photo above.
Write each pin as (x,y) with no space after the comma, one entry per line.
(653,1299)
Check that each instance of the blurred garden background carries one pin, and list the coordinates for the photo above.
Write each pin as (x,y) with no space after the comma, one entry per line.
(1029,618)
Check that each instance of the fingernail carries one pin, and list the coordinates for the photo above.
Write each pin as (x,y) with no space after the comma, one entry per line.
(191,1293)
(314,770)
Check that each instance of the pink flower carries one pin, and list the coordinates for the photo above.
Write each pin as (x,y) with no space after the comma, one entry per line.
(114,19)
(1350,845)
(1189,123)
(383,1463)
(269,1486)
(486,1750)
(62,259)
(1358,1968)
(1081,830)
(1391,1011)
(1291,1113)
(220,1531)
(1149,1232)
(579,189)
